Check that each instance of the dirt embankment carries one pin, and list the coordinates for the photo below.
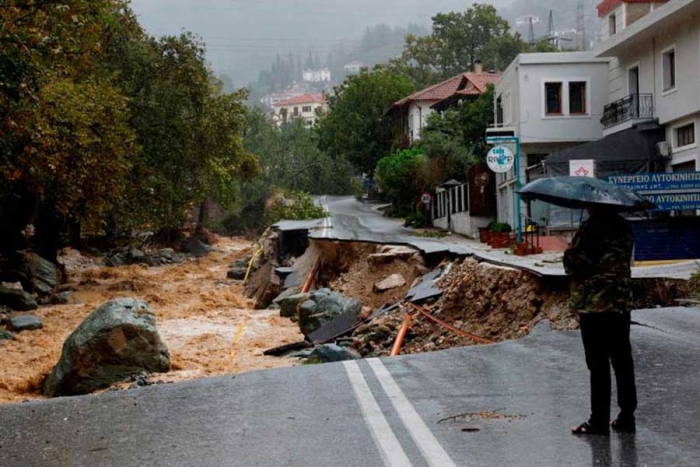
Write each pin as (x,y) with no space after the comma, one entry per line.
(491,302)
(199,313)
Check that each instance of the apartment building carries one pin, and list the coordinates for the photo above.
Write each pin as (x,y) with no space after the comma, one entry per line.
(551,102)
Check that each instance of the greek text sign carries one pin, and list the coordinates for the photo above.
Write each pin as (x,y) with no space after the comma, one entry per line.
(500,159)
(669,191)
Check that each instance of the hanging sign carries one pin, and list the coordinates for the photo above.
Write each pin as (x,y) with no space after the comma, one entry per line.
(679,191)
(582,168)
(500,159)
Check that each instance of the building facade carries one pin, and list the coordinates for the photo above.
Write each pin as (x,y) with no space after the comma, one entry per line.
(655,75)
(322,75)
(307,108)
(551,102)
(411,113)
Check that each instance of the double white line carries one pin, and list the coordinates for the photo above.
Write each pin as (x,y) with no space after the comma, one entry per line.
(389,446)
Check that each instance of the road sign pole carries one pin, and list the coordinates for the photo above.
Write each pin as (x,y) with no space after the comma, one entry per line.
(517,189)
(518,209)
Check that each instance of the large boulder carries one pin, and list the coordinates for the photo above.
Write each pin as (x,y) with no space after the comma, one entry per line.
(17,299)
(195,247)
(116,341)
(36,274)
(24,323)
(289,301)
(321,307)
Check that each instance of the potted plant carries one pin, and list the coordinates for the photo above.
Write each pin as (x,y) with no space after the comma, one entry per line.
(485,232)
(500,235)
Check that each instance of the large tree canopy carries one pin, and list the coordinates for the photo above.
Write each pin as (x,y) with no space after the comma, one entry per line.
(458,40)
(358,127)
(104,127)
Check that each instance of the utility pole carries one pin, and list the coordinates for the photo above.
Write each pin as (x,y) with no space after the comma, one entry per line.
(581,25)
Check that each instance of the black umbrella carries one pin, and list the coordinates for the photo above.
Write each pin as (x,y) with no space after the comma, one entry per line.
(582,192)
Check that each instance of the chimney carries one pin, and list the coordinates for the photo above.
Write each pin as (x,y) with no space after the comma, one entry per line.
(478,67)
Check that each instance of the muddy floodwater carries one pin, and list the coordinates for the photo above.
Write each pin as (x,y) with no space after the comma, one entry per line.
(207,323)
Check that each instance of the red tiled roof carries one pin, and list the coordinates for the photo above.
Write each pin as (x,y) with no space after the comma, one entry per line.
(464,83)
(609,5)
(303,99)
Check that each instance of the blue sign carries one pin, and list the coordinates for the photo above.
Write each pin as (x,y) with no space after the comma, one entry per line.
(669,191)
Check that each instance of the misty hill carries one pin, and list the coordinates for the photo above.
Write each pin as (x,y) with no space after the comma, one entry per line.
(243,37)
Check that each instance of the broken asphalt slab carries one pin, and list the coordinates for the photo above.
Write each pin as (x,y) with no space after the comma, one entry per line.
(521,395)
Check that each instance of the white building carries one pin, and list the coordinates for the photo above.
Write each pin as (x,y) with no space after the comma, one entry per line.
(307,107)
(412,112)
(317,76)
(353,67)
(655,72)
(551,102)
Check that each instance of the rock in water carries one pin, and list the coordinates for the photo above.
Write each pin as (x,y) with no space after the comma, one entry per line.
(35,273)
(116,341)
(334,353)
(195,247)
(6,336)
(289,303)
(237,274)
(322,307)
(16,299)
(24,323)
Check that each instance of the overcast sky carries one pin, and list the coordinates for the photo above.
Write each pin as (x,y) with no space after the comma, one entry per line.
(243,36)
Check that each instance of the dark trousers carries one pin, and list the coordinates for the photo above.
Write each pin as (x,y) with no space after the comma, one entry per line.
(606,340)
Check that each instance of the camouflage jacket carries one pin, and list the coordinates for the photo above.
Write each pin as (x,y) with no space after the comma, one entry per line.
(598,262)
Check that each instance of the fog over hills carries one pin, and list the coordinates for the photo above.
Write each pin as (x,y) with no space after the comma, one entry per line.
(244,36)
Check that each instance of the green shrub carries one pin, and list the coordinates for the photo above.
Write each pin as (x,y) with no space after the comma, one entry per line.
(501,227)
(403,176)
(293,205)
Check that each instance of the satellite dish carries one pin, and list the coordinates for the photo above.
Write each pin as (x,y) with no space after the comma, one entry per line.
(525,20)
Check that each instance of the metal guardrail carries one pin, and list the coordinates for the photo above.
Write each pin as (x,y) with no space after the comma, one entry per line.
(631,107)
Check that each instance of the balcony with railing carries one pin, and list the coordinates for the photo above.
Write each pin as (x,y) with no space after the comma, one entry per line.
(632,107)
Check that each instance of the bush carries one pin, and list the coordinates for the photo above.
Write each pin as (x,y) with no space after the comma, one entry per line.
(292,205)
(501,227)
(403,176)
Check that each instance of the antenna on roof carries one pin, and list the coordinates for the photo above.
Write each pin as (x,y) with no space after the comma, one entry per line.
(581,25)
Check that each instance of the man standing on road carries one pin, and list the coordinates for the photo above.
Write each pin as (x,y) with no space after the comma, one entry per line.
(599,263)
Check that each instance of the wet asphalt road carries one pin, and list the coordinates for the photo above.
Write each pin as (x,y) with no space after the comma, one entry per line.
(384,412)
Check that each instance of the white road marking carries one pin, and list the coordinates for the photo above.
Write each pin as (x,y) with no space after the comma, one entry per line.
(429,446)
(384,437)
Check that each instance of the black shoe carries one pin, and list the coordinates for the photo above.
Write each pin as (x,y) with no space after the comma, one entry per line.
(624,425)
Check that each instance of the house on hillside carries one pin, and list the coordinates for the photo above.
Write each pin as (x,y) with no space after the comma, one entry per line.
(307,107)
(322,75)
(353,67)
(551,102)
(411,113)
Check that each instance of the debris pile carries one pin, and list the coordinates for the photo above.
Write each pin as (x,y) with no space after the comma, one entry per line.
(491,302)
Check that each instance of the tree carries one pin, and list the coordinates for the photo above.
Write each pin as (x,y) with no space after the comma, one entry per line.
(458,40)
(64,135)
(403,176)
(357,127)
(454,140)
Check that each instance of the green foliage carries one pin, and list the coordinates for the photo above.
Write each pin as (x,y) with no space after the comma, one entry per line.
(454,139)
(293,205)
(403,176)
(106,128)
(458,40)
(501,227)
(358,128)
(694,284)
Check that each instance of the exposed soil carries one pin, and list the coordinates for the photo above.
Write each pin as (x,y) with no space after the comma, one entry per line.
(491,302)
(199,313)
